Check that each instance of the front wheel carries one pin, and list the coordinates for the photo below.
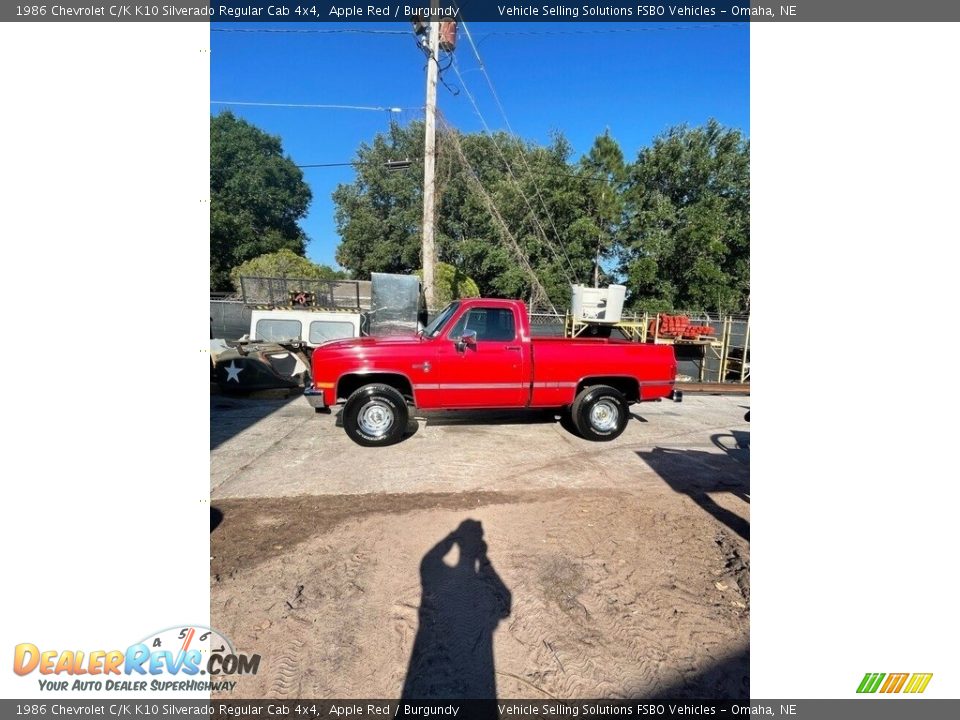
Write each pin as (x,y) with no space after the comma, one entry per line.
(600,413)
(375,415)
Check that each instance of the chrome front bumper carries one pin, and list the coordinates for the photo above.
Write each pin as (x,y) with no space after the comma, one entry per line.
(314,397)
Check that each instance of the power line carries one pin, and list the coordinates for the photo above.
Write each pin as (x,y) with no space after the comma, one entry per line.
(506,163)
(539,291)
(388,165)
(575,176)
(548,173)
(294,31)
(523,159)
(338,164)
(371,31)
(610,31)
(313,106)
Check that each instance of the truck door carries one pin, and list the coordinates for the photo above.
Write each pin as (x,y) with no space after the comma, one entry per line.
(492,372)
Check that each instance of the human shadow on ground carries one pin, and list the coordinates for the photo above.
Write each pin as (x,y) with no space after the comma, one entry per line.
(462,602)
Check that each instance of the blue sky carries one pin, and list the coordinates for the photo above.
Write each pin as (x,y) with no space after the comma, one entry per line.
(636,83)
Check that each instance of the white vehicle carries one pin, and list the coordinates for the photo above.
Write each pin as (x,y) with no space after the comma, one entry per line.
(276,351)
(310,327)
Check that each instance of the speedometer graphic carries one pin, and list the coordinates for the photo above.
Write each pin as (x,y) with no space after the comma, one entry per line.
(181,640)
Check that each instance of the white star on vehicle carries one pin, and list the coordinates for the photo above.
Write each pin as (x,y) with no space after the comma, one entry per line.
(233,372)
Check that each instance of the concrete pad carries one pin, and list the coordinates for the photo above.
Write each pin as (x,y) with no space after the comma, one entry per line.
(280,448)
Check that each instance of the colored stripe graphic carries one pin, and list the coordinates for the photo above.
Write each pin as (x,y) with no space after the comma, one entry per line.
(894,682)
(870,682)
(918,682)
(915,683)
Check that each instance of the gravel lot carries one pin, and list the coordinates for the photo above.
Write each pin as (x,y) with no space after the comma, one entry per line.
(489,554)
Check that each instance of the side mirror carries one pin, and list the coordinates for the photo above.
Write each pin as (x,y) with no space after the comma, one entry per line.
(468,339)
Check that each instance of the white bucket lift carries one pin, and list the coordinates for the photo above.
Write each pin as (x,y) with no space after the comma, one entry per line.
(598,305)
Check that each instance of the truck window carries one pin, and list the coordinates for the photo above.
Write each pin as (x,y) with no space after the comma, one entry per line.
(278,330)
(323,330)
(490,324)
(434,328)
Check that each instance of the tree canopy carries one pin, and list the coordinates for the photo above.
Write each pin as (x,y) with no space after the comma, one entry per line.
(257,197)
(673,225)
(452,284)
(284,264)
(687,236)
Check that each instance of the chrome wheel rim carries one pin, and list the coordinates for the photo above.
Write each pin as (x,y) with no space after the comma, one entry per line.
(604,415)
(375,418)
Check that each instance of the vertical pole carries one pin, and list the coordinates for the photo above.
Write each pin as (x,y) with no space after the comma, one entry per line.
(703,362)
(596,261)
(429,251)
(725,348)
(746,350)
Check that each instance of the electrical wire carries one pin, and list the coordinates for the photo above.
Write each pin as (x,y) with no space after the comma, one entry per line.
(523,158)
(482,38)
(506,163)
(305,31)
(610,31)
(313,106)
(354,163)
(339,164)
(539,291)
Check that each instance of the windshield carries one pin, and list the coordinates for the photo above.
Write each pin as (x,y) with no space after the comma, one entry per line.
(434,328)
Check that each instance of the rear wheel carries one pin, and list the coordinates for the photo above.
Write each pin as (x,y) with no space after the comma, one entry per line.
(600,413)
(375,415)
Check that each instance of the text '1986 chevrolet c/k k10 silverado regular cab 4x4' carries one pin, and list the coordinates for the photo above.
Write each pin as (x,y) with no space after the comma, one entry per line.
(479,354)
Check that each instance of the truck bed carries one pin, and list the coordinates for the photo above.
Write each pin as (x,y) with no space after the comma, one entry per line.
(560,363)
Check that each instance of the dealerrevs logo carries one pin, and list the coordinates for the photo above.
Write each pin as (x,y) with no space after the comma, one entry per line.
(182,658)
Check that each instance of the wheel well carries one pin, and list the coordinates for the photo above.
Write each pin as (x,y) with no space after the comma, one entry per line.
(626,385)
(348,384)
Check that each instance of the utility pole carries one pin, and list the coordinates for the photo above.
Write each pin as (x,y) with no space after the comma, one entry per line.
(429,250)
(596,262)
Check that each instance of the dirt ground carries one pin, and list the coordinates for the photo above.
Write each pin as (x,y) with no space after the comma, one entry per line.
(626,574)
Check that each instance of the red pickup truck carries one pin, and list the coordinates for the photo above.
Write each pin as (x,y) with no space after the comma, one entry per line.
(480,354)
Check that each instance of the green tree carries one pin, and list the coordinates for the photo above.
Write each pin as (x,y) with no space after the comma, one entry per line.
(451,284)
(604,178)
(257,197)
(541,200)
(378,216)
(687,238)
(284,264)
(538,196)
(674,225)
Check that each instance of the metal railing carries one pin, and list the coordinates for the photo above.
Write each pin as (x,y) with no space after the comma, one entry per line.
(303,292)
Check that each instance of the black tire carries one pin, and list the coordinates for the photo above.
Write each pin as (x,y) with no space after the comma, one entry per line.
(375,415)
(600,413)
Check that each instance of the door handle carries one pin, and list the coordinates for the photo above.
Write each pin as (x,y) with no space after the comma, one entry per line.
(511,347)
